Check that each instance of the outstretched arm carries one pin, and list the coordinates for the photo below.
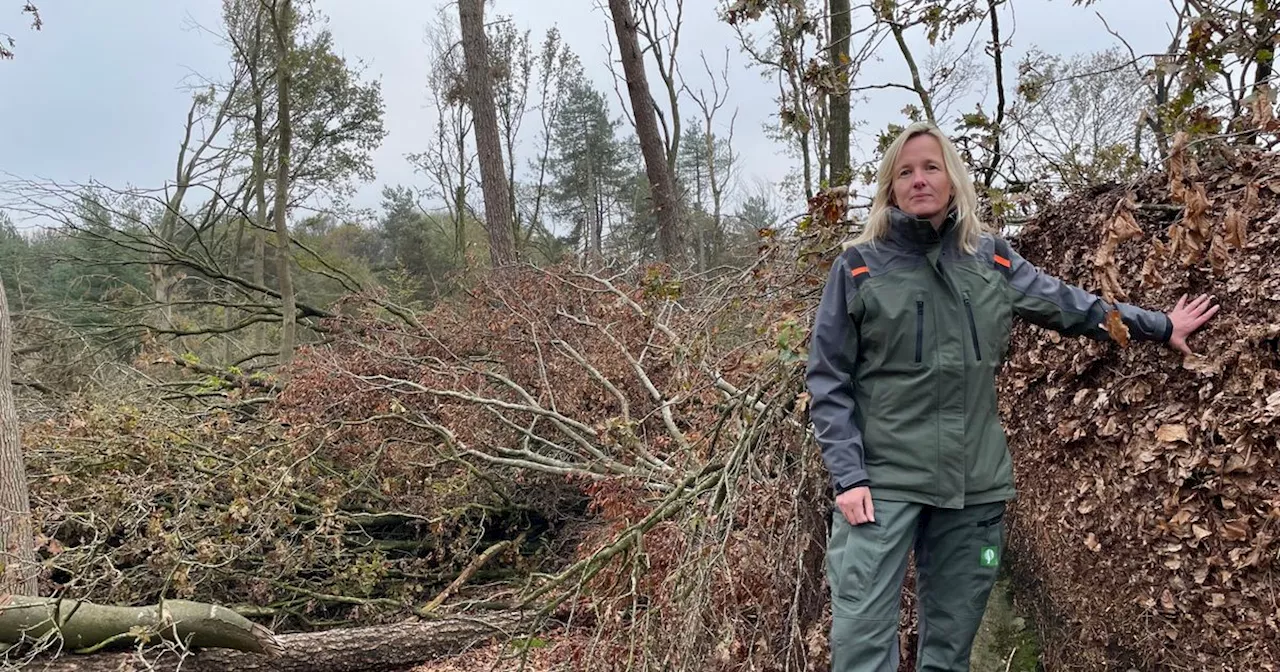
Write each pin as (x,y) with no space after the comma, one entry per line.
(1049,302)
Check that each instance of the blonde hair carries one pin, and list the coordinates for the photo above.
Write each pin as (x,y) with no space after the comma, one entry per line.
(963,196)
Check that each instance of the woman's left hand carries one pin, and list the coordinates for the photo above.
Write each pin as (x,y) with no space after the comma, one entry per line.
(1187,318)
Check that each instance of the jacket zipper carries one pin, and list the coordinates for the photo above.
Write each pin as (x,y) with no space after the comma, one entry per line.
(973,328)
(919,331)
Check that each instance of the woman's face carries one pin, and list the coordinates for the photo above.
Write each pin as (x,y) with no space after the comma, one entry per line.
(921,186)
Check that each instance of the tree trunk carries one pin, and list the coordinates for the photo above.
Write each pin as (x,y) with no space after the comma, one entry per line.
(460,226)
(229,291)
(595,220)
(841,26)
(17,545)
(375,648)
(84,626)
(258,88)
(493,177)
(661,180)
(997,130)
(283,21)
(161,275)
(886,14)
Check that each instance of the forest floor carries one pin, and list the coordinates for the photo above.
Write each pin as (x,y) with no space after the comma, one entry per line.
(1006,642)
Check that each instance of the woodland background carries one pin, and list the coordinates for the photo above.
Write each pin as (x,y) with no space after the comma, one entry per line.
(551,404)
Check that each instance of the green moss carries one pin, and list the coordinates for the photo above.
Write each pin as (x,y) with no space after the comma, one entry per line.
(1004,633)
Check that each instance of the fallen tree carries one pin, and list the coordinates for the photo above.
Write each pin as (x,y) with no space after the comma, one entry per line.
(84,627)
(673,407)
(133,504)
(647,434)
(366,649)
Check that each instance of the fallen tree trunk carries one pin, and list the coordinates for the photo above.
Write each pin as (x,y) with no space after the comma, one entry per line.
(83,626)
(393,646)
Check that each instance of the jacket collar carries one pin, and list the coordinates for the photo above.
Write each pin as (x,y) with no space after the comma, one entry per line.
(913,231)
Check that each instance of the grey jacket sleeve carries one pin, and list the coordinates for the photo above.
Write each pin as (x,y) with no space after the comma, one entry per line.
(1051,303)
(833,348)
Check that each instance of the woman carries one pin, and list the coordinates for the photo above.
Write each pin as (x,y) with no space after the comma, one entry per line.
(913,323)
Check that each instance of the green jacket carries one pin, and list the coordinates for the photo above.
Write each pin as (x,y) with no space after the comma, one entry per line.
(904,351)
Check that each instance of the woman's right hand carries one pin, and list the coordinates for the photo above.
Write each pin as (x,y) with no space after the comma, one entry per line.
(856,505)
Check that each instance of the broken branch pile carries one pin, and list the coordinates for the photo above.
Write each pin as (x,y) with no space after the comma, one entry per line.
(666,424)
(1150,485)
(133,506)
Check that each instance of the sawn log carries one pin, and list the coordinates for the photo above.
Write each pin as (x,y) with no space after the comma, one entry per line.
(382,648)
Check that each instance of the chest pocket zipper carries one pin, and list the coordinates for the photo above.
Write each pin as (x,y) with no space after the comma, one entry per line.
(973,328)
(919,331)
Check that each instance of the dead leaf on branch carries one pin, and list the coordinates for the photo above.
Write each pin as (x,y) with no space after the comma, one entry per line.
(1251,201)
(1151,277)
(1120,227)
(1178,166)
(1235,227)
(1218,256)
(829,206)
(1188,235)
(1195,224)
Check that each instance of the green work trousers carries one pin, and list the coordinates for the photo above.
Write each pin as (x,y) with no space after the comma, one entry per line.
(958,553)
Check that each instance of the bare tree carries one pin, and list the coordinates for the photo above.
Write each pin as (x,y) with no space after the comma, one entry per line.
(1074,120)
(657,164)
(493,177)
(661,33)
(895,18)
(786,56)
(17,545)
(193,165)
(513,66)
(282,21)
(997,126)
(246,26)
(449,160)
(716,154)
(558,66)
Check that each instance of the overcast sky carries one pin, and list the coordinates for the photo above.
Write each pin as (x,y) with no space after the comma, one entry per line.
(100,93)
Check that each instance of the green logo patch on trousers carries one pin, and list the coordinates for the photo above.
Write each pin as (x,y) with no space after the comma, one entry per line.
(990,556)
